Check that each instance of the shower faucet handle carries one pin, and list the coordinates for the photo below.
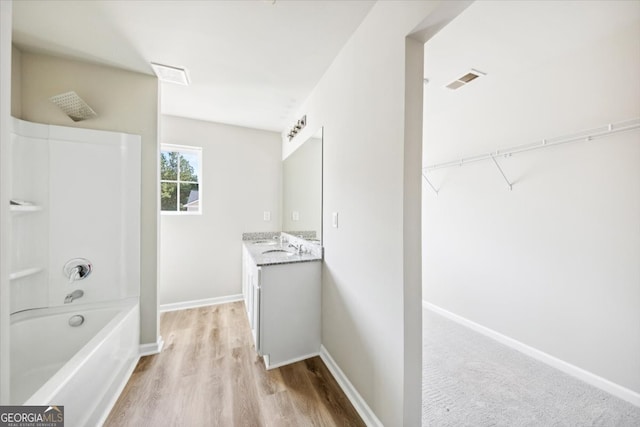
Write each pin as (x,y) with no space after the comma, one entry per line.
(77,269)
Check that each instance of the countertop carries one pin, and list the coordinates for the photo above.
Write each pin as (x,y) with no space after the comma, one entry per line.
(256,249)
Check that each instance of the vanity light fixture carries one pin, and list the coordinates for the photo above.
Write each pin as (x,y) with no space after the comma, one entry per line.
(171,74)
(300,124)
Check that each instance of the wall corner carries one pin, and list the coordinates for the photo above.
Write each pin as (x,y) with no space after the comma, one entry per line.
(412,234)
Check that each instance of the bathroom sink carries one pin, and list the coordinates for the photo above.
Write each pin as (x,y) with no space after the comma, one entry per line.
(278,251)
(266,242)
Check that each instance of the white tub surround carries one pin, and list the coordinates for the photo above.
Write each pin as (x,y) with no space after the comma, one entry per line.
(75,267)
(78,204)
(282,292)
(84,367)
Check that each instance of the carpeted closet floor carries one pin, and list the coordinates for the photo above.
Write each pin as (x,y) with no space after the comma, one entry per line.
(471,380)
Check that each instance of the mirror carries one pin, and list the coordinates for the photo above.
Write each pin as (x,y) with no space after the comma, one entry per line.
(302,190)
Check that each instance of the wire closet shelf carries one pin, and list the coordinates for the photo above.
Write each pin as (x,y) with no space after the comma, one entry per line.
(586,135)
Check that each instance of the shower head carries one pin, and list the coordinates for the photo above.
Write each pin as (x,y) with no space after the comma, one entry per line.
(73,106)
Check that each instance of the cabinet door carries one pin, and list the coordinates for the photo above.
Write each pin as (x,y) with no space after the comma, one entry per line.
(290,318)
(255,308)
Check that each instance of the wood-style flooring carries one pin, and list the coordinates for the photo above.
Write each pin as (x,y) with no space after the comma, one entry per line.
(209,374)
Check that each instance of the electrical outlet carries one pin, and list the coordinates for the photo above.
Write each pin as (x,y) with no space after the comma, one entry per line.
(267,216)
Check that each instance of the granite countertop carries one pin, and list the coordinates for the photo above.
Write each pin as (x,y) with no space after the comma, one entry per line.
(257,248)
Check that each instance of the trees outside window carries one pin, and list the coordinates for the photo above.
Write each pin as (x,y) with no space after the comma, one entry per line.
(180,174)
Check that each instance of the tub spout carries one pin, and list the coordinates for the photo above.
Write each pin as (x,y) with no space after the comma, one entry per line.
(73,296)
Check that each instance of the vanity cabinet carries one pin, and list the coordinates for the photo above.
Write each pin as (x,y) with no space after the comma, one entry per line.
(283,303)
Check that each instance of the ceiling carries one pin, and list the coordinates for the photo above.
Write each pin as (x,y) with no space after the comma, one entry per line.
(251,63)
(504,38)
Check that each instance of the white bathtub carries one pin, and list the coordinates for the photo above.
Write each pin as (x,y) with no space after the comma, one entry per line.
(83,368)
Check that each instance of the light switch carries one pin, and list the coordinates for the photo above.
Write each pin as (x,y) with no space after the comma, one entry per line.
(267,216)
(295,215)
(334,220)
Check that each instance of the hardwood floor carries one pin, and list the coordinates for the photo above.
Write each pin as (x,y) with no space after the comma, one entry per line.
(210,375)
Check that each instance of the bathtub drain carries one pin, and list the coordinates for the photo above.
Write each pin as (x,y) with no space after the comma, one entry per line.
(76,320)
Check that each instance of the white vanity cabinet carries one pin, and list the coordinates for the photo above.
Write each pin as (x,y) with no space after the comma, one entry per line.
(283,304)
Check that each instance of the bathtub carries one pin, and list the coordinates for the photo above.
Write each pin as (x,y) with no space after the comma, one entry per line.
(83,368)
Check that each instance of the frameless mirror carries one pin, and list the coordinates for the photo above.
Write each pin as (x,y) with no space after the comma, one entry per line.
(302,190)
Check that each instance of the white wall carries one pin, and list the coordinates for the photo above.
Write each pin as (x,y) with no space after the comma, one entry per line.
(241,168)
(125,102)
(555,263)
(5,192)
(367,269)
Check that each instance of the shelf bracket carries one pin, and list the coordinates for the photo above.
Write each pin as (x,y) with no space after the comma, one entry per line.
(430,184)
(502,173)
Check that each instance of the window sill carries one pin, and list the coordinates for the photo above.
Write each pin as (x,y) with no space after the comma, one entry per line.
(171,213)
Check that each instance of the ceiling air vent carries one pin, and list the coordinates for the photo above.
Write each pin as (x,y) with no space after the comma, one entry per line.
(171,74)
(465,79)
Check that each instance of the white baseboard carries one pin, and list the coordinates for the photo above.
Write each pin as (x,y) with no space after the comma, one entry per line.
(151,348)
(199,303)
(268,366)
(354,397)
(586,376)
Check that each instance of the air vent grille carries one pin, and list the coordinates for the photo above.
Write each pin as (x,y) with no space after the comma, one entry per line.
(171,74)
(455,85)
(465,79)
(468,77)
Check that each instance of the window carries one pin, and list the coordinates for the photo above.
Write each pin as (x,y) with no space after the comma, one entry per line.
(180,177)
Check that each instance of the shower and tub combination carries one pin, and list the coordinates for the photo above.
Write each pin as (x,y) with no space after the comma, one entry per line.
(75,267)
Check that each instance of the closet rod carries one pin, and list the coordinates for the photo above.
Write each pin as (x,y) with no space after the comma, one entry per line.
(587,135)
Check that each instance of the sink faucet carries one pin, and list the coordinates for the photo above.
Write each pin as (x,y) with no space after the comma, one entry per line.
(78,293)
(299,248)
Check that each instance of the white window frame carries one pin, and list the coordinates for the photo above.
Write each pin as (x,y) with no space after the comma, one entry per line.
(183,149)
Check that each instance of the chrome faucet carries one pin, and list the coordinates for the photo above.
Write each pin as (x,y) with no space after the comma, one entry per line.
(77,269)
(299,248)
(75,274)
(78,293)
